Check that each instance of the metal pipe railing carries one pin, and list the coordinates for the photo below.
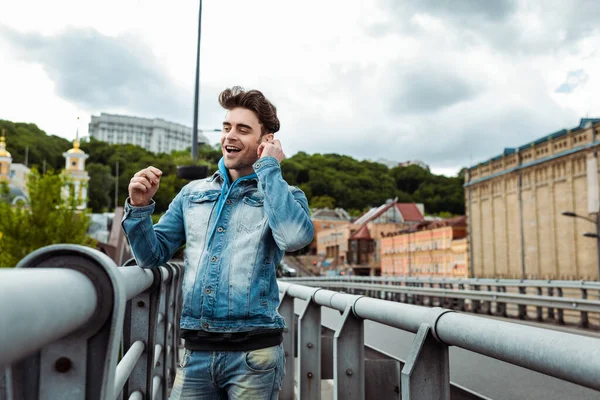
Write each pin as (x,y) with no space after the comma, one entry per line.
(425,374)
(40,307)
(595,285)
(79,310)
(480,300)
(127,363)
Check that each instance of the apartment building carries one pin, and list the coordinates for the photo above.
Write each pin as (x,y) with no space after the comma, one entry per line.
(155,135)
(432,248)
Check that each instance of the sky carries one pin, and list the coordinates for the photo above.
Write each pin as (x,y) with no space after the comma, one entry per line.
(450,83)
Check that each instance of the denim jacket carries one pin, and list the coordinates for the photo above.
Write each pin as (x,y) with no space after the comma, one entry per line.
(235,235)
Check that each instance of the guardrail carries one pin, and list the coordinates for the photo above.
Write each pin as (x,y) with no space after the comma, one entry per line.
(68,313)
(469,294)
(426,373)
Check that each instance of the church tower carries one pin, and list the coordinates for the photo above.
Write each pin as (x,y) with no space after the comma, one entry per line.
(5,159)
(76,173)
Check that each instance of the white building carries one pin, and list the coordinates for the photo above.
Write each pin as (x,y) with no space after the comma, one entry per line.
(155,135)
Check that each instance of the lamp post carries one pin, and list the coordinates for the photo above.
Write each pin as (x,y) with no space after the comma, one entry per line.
(192,172)
(589,234)
(197,88)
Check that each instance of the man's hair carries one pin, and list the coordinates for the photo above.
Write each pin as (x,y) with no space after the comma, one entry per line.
(253,100)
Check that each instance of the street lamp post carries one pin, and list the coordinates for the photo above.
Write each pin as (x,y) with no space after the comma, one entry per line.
(197,88)
(589,234)
(192,172)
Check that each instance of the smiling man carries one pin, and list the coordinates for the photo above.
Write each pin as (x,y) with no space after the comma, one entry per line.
(236,226)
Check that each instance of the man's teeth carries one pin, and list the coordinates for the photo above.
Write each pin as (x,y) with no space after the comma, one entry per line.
(231,148)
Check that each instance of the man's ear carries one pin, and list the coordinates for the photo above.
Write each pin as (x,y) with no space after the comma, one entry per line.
(268,137)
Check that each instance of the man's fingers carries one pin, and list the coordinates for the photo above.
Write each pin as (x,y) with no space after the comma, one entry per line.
(138,186)
(149,175)
(155,171)
(142,180)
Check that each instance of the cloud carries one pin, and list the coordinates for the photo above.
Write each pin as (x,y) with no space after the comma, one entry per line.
(99,72)
(574,80)
(447,82)
(429,89)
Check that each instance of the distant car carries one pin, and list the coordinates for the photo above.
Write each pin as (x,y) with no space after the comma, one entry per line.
(284,270)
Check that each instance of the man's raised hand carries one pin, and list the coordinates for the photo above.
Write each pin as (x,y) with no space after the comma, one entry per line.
(143,186)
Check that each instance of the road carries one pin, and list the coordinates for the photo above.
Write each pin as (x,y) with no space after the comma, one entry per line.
(490,377)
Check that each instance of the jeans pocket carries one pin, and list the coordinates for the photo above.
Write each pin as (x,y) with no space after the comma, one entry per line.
(263,360)
(185,359)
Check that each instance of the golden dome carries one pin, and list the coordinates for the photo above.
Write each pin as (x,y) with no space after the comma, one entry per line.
(76,148)
(3,152)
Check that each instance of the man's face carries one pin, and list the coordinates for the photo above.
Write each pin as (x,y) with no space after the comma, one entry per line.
(240,138)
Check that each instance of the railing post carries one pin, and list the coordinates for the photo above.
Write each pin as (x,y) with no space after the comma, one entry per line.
(551,309)
(475,304)
(539,310)
(286,309)
(173,321)
(349,358)
(500,306)
(81,365)
(522,307)
(461,302)
(309,350)
(426,374)
(584,322)
(140,325)
(559,311)
(159,358)
(488,304)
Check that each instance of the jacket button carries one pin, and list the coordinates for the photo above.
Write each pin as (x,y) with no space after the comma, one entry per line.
(213,259)
(220,229)
(258,165)
(208,291)
(230,202)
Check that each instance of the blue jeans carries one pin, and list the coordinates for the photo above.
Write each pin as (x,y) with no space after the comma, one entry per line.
(235,375)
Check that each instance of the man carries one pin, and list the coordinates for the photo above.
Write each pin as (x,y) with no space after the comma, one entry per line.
(236,226)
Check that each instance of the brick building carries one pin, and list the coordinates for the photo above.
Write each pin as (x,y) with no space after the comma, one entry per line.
(515,202)
(323,219)
(437,248)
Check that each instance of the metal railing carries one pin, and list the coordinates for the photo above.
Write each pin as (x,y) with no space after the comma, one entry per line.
(73,325)
(425,374)
(549,300)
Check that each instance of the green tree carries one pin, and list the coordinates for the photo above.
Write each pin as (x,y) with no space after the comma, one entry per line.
(49,218)
(323,202)
(100,186)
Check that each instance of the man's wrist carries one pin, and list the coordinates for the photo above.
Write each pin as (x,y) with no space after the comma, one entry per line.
(132,204)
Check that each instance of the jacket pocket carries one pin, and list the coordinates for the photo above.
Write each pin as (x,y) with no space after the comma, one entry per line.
(200,209)
(252,214)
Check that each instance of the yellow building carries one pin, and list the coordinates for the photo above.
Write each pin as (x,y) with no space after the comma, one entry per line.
(515,204)
(76,173)
(436,248)
(5,159)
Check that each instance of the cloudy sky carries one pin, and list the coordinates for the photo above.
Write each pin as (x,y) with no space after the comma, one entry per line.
(450,83)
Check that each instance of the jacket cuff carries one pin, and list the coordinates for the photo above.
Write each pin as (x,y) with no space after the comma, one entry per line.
(139,212)
(264,163)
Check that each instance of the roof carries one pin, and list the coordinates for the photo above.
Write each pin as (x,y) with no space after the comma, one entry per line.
(327,214)
(583,123)
(362,233)
(409,211)
(456,221)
